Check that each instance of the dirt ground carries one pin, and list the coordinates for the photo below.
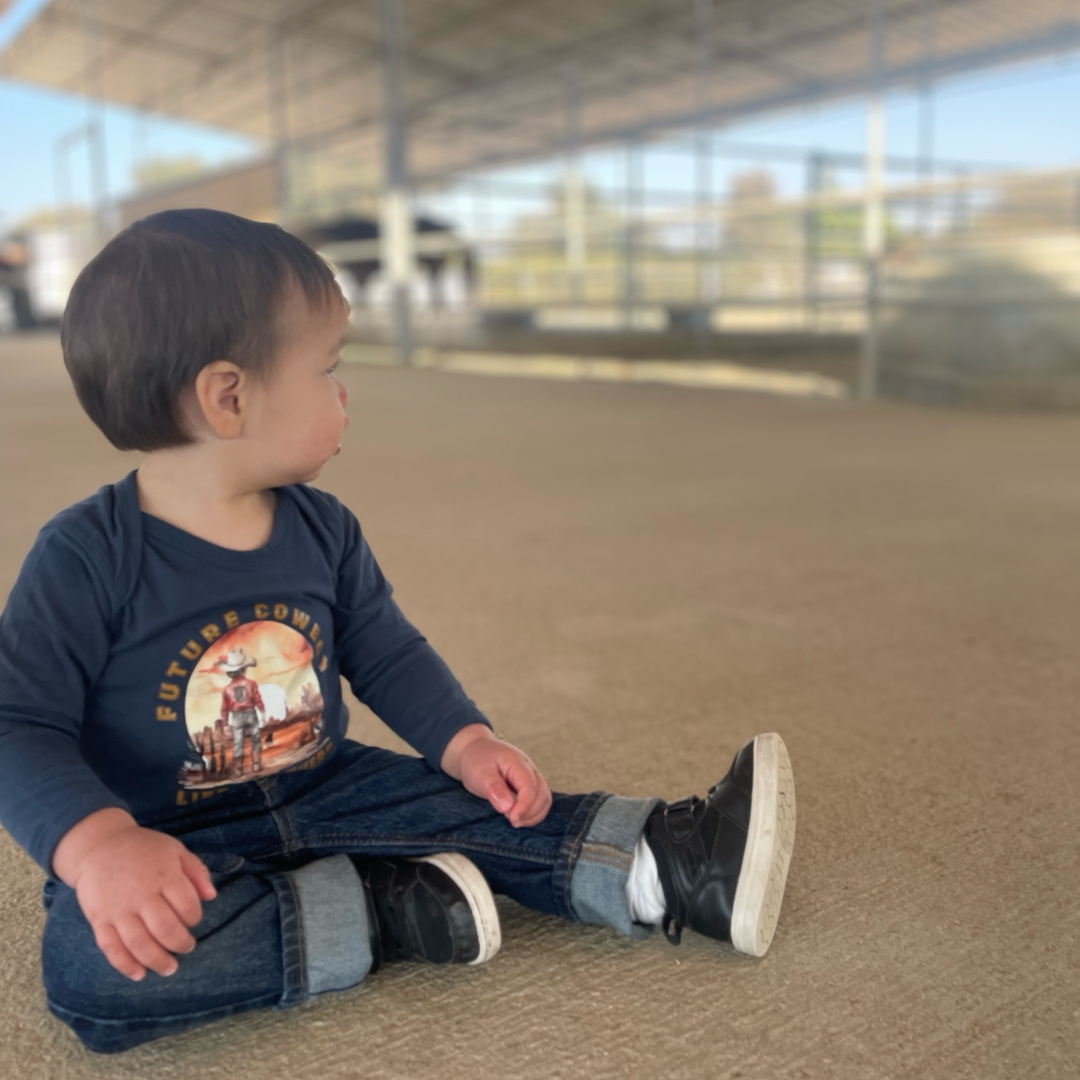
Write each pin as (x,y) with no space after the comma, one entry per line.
(631,580)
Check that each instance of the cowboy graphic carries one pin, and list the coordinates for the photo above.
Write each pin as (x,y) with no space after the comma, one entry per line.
(239,701)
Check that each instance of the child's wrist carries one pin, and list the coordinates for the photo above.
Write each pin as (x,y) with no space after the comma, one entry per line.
(84,837)
(462,739)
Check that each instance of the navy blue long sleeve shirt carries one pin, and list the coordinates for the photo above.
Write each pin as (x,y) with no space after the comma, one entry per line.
(146,668)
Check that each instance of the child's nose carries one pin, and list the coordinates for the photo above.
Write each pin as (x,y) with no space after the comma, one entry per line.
(343,394)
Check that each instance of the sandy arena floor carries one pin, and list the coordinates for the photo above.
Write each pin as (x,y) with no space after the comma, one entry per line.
(632,580)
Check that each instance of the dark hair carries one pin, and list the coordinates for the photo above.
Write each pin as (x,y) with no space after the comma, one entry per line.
(169,295)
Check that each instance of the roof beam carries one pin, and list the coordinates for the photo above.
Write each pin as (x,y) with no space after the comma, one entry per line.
(131,39)
(1064,37)
(539,63)
(512,74)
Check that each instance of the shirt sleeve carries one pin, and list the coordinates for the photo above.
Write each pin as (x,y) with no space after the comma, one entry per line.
(389,664)
(54,643)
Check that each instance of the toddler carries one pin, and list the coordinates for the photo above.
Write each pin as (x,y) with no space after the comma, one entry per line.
(172,732)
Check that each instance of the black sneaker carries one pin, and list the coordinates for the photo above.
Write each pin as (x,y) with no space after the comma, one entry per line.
(723,860)
(437,909)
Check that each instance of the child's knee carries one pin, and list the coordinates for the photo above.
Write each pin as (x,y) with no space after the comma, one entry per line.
(110,1012)
(78,979)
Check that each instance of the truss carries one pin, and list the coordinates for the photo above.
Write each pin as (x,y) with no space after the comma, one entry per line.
(498,81)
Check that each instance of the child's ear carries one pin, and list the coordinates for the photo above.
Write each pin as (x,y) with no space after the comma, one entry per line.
(221,390)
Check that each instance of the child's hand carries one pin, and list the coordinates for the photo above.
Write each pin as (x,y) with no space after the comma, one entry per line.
(498,772)
(139,889)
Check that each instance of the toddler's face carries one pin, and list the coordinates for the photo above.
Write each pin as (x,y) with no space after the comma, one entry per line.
(299,418)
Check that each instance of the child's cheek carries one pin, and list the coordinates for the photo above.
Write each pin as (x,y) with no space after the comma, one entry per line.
(320,442)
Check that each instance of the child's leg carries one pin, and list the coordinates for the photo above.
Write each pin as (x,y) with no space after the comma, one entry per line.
(369,801)
(274,936)
(719,865)
(290,920)
(271,938)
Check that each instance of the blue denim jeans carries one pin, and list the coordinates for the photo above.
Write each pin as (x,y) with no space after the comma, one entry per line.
(290,921)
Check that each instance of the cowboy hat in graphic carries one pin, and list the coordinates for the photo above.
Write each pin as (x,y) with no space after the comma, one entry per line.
(237,661)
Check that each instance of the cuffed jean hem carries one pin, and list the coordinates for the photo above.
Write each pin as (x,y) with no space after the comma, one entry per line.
(599,866)
(325,929)
(321,930)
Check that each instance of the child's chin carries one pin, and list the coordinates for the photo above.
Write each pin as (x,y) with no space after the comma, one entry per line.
(311,472)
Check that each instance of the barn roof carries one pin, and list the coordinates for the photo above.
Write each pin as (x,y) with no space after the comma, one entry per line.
(498,81)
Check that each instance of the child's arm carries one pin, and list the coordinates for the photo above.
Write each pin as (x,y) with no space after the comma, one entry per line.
(54,644)
(395,672)
(389,664)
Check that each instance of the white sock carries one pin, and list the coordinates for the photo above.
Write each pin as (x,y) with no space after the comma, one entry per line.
(644,892)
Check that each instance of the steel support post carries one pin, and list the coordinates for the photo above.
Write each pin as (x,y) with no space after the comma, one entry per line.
(61,179)
(629,284)
(396,231)
(703,150)
(926,155)
(279,125)
(86,132)
(574,242)
(95,124)
(815,184)
(926,116)
(873,210)
(702,228)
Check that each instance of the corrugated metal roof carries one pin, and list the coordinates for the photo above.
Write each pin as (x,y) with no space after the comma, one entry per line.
(489,81)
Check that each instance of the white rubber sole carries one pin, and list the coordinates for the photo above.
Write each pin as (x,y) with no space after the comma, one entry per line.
(473,884)
(769,844)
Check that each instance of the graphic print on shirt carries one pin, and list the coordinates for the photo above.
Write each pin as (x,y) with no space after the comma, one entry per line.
(253,706)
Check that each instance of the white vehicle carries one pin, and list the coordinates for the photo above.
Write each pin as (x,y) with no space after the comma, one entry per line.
(38,266)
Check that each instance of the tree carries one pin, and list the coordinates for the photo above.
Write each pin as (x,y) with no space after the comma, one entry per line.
(157,171)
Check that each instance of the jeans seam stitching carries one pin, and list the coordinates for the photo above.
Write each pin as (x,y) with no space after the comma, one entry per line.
(622,865)
(299,936)
(453,843)
(575,851)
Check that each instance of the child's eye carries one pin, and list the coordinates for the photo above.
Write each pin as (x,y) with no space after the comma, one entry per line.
(330,370)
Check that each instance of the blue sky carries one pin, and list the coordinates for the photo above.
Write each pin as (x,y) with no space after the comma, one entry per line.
(1026,116)
(31,120)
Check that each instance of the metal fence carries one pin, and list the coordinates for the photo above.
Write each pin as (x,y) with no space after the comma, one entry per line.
(704,236)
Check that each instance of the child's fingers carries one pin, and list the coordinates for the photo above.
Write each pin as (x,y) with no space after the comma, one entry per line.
(539,810)
(116,952)
(522,778)
(184,900)
(196,870)
(166,927)
(499,795)
(141,944)
(541,804)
